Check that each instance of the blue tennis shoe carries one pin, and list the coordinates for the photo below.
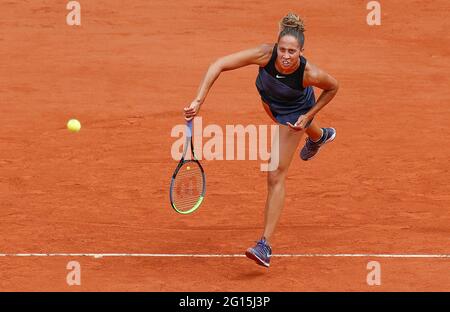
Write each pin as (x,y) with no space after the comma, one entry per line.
(261,253)
(310,149)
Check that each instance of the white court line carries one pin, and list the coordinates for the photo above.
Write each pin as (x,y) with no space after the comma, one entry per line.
(101,255)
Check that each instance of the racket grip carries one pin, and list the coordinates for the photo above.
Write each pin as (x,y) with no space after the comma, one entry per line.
(189,128)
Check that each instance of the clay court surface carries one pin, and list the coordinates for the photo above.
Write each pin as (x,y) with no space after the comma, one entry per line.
(126,73)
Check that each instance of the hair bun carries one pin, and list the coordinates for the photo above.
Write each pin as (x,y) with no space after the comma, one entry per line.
(292,20)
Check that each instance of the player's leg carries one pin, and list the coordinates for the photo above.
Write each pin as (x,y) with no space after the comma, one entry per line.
(314,132)
(287,141)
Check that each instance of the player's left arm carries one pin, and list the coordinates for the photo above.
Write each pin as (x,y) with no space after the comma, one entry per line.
(314,76)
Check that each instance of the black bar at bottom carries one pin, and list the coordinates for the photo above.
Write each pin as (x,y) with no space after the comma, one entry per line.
(225,301)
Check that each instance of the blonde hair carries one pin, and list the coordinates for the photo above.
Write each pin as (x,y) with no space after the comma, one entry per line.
(292,25)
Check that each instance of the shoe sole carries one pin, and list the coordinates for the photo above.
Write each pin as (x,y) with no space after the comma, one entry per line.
(331,139)
(255,258)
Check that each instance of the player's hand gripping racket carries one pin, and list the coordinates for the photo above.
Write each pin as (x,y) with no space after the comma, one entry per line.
(188,185)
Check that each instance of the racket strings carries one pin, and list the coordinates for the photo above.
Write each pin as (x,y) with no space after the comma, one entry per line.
(188,186)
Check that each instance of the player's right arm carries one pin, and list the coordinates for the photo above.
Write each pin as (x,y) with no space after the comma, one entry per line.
(255,56)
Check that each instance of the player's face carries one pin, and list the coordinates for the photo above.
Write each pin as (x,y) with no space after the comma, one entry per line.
(289,52)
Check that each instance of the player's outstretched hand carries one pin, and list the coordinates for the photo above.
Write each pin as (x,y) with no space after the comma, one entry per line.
(192,110)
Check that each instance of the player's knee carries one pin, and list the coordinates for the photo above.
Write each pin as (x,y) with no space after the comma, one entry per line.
(276,176)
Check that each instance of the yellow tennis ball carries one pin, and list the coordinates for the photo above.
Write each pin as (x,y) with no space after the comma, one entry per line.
(73,125)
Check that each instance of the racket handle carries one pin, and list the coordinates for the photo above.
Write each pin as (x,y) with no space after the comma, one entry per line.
(189,128)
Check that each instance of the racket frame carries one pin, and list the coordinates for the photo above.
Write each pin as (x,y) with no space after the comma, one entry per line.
(180,164)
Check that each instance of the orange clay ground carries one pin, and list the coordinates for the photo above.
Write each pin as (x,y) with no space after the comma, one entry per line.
(126,73)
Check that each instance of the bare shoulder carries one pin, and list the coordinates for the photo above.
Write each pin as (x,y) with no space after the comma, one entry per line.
(311,70)
(312,73)
(258,55)
(266,48)
(315,76)
(265,51)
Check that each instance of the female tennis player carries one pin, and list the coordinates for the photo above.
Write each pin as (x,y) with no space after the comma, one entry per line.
(285,83)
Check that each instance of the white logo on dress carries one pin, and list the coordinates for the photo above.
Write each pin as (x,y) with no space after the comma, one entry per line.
(278,76)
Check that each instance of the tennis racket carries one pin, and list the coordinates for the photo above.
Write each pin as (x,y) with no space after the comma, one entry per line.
(188,185)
